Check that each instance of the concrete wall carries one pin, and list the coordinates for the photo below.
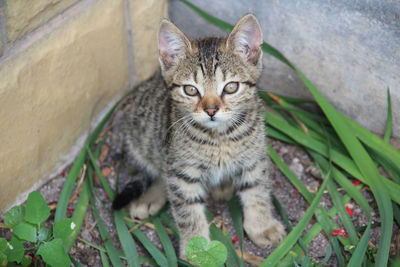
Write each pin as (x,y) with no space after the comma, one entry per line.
(63,63)
(349,49)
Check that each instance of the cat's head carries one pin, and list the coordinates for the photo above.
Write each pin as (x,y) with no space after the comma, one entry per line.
(212,80)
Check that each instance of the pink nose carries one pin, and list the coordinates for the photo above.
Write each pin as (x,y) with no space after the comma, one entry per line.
(211,110)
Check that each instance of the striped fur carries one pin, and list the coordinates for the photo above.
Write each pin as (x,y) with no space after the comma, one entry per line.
(184,151)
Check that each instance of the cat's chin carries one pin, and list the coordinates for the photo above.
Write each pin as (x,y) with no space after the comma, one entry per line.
(214,124)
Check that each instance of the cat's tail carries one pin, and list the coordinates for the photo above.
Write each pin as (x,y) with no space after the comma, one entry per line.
(132,191)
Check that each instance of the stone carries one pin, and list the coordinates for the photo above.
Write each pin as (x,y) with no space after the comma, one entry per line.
(146,17)
(348,49)
(51,92)
(23,16)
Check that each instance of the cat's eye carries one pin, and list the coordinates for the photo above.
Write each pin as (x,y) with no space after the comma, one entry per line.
(190,90)
(231,88)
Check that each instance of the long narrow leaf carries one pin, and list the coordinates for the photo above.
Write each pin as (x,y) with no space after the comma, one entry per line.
(78,216)
(69,186)
(127,242)
(359,253)
(112,252)
(103,181)
(104,260)
(153,250)
(289,174)
(166,242)
(295,234)
(235,209)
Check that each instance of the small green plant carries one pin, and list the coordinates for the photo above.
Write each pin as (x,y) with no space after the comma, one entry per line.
(204,253)
(29,234)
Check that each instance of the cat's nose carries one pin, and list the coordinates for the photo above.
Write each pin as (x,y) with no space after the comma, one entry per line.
(211,110)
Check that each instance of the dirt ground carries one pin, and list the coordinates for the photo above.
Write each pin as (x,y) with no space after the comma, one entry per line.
(292,202)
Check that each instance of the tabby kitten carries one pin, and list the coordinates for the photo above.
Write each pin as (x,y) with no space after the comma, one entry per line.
(196,128)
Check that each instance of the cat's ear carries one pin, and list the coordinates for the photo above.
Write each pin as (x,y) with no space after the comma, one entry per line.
(246,39)
(172,44)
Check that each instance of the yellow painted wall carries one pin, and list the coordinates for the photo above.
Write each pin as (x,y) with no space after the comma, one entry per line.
(63,63)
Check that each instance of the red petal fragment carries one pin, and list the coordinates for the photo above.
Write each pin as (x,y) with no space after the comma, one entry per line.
(296,192)
(70,209)
(63,173)
(355,183)
(235,239)
(349,211)
(107,197)
(340,232)
(51,203)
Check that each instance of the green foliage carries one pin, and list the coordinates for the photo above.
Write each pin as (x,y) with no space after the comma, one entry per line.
(53,253)
(63,228)
(15,250)
(27,223)
(204,253)
(26,231)
(14,216)
(36,210)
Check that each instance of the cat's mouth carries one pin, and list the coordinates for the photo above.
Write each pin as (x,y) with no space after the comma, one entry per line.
(214,122)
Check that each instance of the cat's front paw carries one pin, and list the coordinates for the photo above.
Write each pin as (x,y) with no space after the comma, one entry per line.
(265,236)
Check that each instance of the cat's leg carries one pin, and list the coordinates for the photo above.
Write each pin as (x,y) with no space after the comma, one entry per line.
(254,192)
(187,198)
(150,202)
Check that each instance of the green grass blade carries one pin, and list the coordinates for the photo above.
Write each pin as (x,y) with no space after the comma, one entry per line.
(103,181)
(342,180)
(127,242)
(288,99)
(328,255)
(295,234)
(388,131)
(104,260)
(274,133)
(285,219)
(289,174)
(327,226)
(78,216)
(153,250)
(235,209)
(69,186)
(75,262)
(396,213)
(344,216)
(359,253)
(392,170)
(112,252)
(336,199)
(183,263)
(374,142)
(166,242)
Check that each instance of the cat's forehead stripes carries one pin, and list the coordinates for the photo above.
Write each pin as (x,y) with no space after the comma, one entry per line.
(208,54)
